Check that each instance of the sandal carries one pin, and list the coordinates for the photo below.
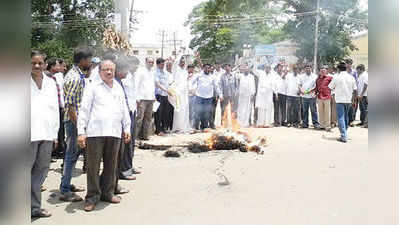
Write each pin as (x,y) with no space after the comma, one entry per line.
(41,214)
(89,206)
(76,189)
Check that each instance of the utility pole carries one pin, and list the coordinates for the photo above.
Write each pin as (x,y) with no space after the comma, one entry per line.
(163,39)
(175,42)
(316,36)
(162,34)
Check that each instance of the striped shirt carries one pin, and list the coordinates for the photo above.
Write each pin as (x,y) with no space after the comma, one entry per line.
(73,90)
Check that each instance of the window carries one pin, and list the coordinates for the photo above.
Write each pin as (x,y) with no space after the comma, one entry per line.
(149,52)
(135,52)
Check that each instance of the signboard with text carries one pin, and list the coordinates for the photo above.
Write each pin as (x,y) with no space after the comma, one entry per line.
(265,50)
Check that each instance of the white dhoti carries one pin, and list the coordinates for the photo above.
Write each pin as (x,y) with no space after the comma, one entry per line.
(265,116)
(244,110)
(264,100)
(181,117)
(246,91)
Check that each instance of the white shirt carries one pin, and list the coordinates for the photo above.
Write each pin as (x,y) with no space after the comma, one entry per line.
(59,78)
(180,78)
(247,84)
(171,77)
(205,85)
(280,83)
(363,79)
(307,83)
(95,74)
(45,117)
(145,84)
(292,84)
(343,85)
(103,111)
(130,90)
(218,75)
(191,84)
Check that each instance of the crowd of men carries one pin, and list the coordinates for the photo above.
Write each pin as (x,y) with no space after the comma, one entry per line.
(102,106)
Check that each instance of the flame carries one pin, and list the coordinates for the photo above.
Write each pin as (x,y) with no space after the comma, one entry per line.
(231,132)
(229,119)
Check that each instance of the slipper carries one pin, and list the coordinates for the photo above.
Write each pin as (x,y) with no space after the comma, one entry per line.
(128,178)
(122,191)
(136,172)
(41,214)
(89,207)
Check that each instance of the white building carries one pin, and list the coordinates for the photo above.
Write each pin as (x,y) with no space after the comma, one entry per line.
(141,51)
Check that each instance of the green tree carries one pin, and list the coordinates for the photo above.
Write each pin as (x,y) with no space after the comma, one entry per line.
(339,19)
(58,26)
(222,27)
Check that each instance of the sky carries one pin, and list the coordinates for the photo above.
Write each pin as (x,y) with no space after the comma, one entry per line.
(168,15)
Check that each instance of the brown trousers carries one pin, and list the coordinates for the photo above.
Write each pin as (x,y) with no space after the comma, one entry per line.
(105,148)
(143,119)
(324,108)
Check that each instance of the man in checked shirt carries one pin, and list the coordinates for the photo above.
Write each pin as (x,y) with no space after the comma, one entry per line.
(74,85)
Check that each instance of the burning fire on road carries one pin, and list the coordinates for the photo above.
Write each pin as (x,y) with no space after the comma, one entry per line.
(229,137)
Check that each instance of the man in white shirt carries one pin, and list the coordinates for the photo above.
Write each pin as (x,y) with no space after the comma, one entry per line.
(344,86)
(280,99)
(145,86)
(215,74)
(191,94)
(293,99)
(44,129)
(307,85)
(205,84)
(125,157)
(127,164)
(169,111)
(54,67)
(103,120)
(161,94)
(246,92)
(264,98)
(332,71)
(362,94)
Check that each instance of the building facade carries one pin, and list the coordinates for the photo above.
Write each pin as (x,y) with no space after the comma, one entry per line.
(361,56)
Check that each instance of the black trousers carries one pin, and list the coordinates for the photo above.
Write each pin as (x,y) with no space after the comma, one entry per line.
(293,110)
(126,154)
(169,115)
(363,105)
(161,115)
(59,152)
(280,109)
